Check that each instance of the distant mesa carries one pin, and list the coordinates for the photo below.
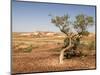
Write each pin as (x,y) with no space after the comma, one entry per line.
(45,34)
(39,34)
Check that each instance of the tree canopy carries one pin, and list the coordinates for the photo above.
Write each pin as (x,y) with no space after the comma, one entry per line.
(82,22)
(72,40)
(62,22)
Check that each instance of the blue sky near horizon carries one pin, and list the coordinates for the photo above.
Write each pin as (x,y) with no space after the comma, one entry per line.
(33,16)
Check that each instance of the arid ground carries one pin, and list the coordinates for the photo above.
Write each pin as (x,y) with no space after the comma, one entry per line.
(35,53)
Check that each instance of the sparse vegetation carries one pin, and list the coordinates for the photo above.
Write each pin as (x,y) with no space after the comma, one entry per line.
(43,55)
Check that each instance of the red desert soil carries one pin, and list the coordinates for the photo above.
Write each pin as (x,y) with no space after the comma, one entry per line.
(45,59)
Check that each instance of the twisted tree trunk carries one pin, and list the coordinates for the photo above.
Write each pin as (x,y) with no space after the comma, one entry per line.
(63,50)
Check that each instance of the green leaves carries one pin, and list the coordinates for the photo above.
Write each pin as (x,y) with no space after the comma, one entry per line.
(62,22)
(80,23)
(90,20)
(59,20)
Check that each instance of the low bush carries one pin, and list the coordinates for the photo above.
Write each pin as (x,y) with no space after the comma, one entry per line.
(92,45)
(28,49)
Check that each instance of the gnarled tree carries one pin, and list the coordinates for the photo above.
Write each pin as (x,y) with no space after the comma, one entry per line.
(63,24)
(72,40)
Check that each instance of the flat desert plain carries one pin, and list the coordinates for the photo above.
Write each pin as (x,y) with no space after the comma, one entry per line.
(39,52)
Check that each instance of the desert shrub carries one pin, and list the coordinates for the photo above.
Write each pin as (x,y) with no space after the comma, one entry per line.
(82,46)
(72,53)
(69,53)
(92,45)
(87,48)
(59,43)
(28,49)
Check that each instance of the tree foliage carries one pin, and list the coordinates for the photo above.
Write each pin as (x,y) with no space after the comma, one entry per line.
(82,22)
(62,22)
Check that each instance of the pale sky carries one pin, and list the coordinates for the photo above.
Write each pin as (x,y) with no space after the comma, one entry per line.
(33,16)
